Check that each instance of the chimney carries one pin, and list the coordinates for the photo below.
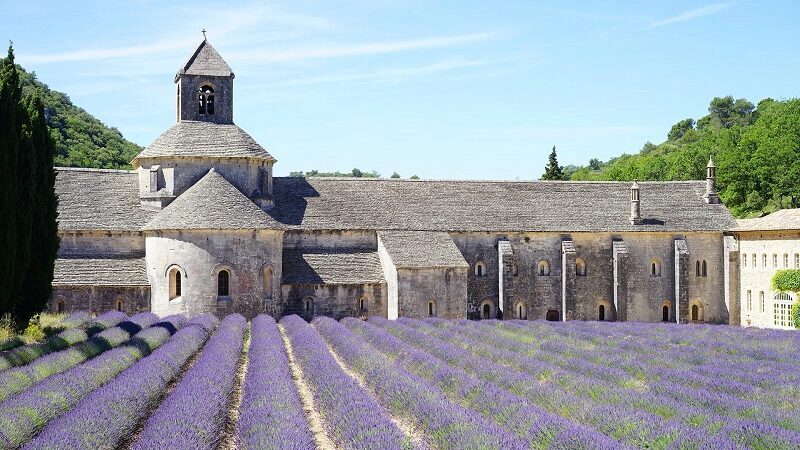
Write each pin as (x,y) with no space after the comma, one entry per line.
(711,196)
(636,214)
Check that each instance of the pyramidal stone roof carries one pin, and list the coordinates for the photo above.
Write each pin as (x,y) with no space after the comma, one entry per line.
(211,204)
(189,138)
(205,61)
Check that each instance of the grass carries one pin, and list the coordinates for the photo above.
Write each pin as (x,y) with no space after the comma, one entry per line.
(39,327)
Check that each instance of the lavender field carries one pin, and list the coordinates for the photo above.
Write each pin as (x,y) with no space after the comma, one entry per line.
(145,382)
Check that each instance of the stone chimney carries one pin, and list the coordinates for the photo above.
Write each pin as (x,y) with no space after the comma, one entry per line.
(636,213)
(711,196)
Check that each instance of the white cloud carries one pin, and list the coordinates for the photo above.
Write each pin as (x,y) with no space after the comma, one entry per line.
(691,14)
(339,51)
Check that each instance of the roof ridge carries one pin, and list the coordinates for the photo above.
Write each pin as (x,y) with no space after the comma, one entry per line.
(91,169)
(441,180)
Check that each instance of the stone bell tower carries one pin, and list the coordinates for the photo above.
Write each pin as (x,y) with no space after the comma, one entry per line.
(205,87)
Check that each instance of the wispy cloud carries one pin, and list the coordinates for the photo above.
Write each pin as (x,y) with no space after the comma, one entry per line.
(339,51)
(690,15)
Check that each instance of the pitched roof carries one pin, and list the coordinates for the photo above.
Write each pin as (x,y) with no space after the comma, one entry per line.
(189,138)
(205,61)
(501,206)
(784,219)
(331,268)
(211,204)
(421,249)
(100,272)
(99,199)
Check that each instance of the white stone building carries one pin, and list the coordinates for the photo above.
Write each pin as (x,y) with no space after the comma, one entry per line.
(201,224)
(766,245)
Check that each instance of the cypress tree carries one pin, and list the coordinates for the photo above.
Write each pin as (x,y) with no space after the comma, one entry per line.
(553,171)
(37,281)
(10,130)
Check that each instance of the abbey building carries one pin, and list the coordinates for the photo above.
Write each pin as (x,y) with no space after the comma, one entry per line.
(202,225)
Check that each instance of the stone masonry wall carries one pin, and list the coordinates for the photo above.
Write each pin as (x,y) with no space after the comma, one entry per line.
(99,299)
(335,301)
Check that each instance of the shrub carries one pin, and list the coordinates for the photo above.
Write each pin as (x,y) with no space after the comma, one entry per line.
(786,280)
(796,314)
(33,333)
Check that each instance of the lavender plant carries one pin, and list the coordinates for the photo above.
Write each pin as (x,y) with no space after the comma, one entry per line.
(201,397)
(106,416)
(18,379)
(70,336)
(271,415)
(353,419)
(23,415)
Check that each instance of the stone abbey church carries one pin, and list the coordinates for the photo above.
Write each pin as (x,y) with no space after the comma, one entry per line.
(201,225)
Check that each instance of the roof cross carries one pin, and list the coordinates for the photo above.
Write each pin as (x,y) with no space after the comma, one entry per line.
(204,34)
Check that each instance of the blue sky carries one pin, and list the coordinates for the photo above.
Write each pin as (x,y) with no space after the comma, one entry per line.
(462,89)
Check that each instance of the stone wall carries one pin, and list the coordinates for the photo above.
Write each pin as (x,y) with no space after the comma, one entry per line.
(101,244)
(188,87)
(358,240)
(445,287)
(99,299)
(200,255)
(335,301)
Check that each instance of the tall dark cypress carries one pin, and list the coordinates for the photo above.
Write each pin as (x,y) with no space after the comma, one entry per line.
(37,282)
(10,129)
(553,171)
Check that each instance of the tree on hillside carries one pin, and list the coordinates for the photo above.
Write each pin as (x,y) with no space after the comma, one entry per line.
(679,129)
(29,238)
(725,112)
(553,171)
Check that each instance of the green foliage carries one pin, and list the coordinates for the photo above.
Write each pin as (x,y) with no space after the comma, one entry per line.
(28,203)
(80,139)
(553,171)
(787,280)
(757,152)
(796,314)
(395,175)
(414,177)
(355,173)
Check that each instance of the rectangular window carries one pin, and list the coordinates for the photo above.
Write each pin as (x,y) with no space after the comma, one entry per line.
(785,260)
(761,297)
(797,260)
(783,314)
(761,304)
(744,260)
(764,260)
(774,261)
(749,300)
(755,261)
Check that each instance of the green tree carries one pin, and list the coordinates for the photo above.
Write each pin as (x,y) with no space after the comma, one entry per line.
(553,171)
(414,177)
(10,131)
(679,129)
(395,175)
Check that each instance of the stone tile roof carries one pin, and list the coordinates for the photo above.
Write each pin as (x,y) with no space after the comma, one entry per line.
(205,61)
(189,138)
(100,272)
(421,249)
(211,204)
(331,268)
(97,199)
(430,205)
(784,219)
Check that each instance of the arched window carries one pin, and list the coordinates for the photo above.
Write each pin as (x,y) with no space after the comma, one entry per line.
(120,304)
(580,268)
(552,315)
(521,311)
(774,260)
(782,310)
(695,313)
(665,313)
(744,259)
(223,283)
(175,282)
(797,260)
(655,268)
(480,269)
(705,272)
(514,270)
(60,306)
(764,260)
(487,310)
(761,304)
(206,100)
(431,308)
(785,260)
(544,268)
(267,281)
(361,304)
(749,300)
(309,305)
(697,268)
(601,312)
(755,260)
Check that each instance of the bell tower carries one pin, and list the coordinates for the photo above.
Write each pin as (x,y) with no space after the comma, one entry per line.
(205,87)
